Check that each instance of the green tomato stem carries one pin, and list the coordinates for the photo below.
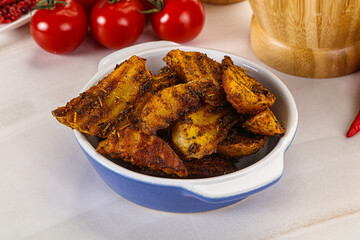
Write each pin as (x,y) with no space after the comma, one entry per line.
(110,1)
(48,4)
(158,4)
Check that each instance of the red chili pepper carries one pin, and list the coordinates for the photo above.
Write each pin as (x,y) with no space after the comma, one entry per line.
(355,126)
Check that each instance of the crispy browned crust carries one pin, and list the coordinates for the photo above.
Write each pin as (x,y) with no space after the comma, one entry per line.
(208,166)
(239,143)
(164,79)
(185,105)
(167,106)
(246,94)
(264,123)
(143,150)
(198,133)
(105,105)
(195,66)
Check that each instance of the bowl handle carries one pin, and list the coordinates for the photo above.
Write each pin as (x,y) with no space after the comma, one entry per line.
(133,50)
(251,181)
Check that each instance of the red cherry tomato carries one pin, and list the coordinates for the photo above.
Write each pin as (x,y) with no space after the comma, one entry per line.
(146,5)
(61,29)
(179,20)
(87,5)
(117,25)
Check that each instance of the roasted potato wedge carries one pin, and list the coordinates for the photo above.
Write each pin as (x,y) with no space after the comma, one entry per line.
(179,122)
(143,150)
(164,79)
(108,103)
(245,94)
(264,123)
(239,143)
(209,166)
(195,66)
(198,133)
(167,106)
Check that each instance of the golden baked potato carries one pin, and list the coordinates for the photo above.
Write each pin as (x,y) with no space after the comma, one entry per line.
(238,143)
(166,106)
(195,66)
(198,133)
(189,108)
(264,123)
(106,105)
(164,79)
(245,94)
(141,149)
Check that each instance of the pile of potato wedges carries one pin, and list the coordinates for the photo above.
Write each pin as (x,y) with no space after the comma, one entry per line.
(194,118)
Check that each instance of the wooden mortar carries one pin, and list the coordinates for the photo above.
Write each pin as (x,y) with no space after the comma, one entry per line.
(308,38)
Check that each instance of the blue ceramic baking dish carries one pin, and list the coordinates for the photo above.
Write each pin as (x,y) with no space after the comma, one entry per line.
(255,173)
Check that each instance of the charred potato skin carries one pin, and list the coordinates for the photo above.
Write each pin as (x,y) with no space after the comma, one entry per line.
(164,79)
(264,123)
(208,166)
(239,143)
(195,66)
(198,133)
(245,94)
(144,150)
(166,106)
(101,108)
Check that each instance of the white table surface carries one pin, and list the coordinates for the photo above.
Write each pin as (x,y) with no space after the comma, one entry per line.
(50,191)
